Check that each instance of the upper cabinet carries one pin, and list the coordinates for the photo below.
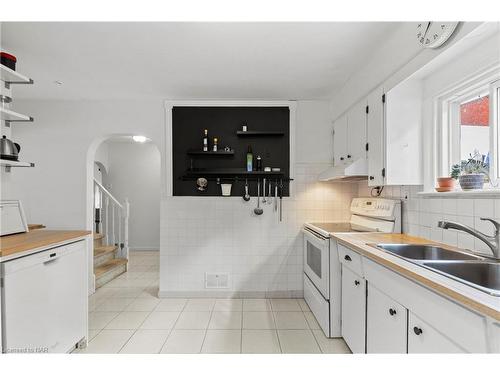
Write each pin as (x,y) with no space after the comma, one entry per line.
(356,131)
(375,125)
(340,140)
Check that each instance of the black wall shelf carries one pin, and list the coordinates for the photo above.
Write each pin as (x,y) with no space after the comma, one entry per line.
(210,153)
(259,133)
(231,172)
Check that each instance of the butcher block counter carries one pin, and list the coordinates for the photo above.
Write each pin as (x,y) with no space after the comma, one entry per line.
(18,245)
(365,244)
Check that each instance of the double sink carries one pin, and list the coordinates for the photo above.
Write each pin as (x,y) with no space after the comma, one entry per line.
(479,272)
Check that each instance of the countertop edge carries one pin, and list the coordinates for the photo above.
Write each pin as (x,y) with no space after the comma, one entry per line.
(407,272)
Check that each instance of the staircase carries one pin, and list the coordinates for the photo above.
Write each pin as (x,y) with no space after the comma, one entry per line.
(110,236)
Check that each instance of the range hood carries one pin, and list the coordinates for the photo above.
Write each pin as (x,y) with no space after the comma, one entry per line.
(355,171)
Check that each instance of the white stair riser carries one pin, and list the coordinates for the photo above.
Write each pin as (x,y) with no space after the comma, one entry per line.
(101,259)
(110,275)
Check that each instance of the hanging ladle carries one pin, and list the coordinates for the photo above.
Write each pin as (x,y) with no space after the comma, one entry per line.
(257,210)
(246,197)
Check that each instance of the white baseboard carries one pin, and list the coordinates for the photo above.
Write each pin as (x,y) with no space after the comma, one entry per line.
(144,248)
(231,294)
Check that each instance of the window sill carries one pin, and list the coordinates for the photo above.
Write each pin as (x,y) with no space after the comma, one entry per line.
(485,193)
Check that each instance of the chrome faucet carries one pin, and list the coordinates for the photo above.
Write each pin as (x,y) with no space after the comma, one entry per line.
(493,242)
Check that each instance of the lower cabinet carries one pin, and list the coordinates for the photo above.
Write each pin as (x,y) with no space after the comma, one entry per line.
(353,310)
(422,338)
(386,323)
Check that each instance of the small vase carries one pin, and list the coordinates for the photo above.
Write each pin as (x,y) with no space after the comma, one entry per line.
(471,181)
(446,182)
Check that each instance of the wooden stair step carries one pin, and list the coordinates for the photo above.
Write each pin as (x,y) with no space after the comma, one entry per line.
(108,266)
(98,236)
(102,250)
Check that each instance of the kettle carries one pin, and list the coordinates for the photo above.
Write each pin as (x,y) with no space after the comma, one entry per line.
(9,150)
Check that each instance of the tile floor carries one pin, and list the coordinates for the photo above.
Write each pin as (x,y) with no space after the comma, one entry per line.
(126,316)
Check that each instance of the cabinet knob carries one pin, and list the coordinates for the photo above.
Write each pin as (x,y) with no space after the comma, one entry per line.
(356,282)
(342,158)
(372,178)
(348,156)
(348,258)
(417,330)
(392,312)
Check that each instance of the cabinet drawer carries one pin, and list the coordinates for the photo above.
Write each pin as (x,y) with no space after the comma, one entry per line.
(351,259)
(423,338)
(386,323)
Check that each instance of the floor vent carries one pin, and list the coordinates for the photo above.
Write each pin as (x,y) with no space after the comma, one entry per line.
(216,280)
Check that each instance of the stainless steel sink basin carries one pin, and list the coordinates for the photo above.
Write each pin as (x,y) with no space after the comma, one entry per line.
(480,275)
(426,252)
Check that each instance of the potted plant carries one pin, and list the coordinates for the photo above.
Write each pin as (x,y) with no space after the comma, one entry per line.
(471,173)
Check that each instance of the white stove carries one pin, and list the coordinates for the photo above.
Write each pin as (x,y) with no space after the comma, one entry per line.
(322,269)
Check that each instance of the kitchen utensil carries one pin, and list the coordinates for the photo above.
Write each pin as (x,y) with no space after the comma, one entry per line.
(270,200)
(8,149)
(202,183)
(226,189)
(8,60)
(246,197)
(258,210)
(281,199)
(264,192)
(276,196)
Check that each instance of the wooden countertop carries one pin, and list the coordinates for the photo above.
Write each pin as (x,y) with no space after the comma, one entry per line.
(363,243)
(40,238)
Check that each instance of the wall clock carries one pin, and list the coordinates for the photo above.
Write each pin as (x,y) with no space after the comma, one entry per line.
(435,34)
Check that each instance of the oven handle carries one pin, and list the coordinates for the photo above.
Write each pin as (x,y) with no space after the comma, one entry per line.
(318,236)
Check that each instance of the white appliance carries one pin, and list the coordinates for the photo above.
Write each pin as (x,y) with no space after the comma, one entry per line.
(44,301)
(322,270)
(12,219)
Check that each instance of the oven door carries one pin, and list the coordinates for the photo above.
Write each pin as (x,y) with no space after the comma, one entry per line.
(317,261)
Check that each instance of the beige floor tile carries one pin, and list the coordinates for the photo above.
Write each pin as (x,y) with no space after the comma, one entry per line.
(143,304)
(108,341)
(128,292)
(330,346)
(149,292)
(93,333)
(258,320)
(160,320)
(285,304)
(200,304)
(114,304)
(290,320)
(184,342)
(193,320)
(230,304)
(303,305)
(222,341)
(311,320)
(171,304)
(127,320)
(298,341)
(225,320)
(99,320)
(260,342)
(256,304)
(146,342)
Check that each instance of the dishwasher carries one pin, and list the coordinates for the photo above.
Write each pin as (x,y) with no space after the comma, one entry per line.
(44,301)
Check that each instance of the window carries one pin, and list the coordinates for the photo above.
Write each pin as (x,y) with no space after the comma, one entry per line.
(468,117)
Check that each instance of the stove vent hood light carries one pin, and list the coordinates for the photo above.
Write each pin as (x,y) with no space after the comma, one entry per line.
(355,171)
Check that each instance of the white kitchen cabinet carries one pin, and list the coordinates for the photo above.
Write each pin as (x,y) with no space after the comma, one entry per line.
(375,135)
(356,131)
(44,300)
(340,140)
(353,310)
(386,323)
(423,338)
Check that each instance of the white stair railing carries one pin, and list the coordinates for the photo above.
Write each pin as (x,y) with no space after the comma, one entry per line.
(111,218)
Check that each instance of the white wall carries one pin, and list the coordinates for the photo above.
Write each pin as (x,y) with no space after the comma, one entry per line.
(134,174)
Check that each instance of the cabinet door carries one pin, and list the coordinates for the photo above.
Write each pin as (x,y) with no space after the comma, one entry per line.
(353,310)
(356,131)
(340,140)
(386,323)
(423,338)
(375,125)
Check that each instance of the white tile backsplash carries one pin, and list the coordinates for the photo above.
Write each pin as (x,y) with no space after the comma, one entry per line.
(261,254)
(421,214)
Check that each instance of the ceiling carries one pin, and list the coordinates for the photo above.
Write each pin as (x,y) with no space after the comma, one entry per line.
(190,60)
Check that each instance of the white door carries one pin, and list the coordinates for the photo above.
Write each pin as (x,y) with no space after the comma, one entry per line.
(340,140)
(353,310)
(386,323)
(423,338)
(356,131)
(375,125)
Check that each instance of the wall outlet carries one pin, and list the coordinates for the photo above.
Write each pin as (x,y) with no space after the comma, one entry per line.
(216,280)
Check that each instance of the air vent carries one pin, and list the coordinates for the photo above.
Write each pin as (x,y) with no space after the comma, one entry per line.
(216,280)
